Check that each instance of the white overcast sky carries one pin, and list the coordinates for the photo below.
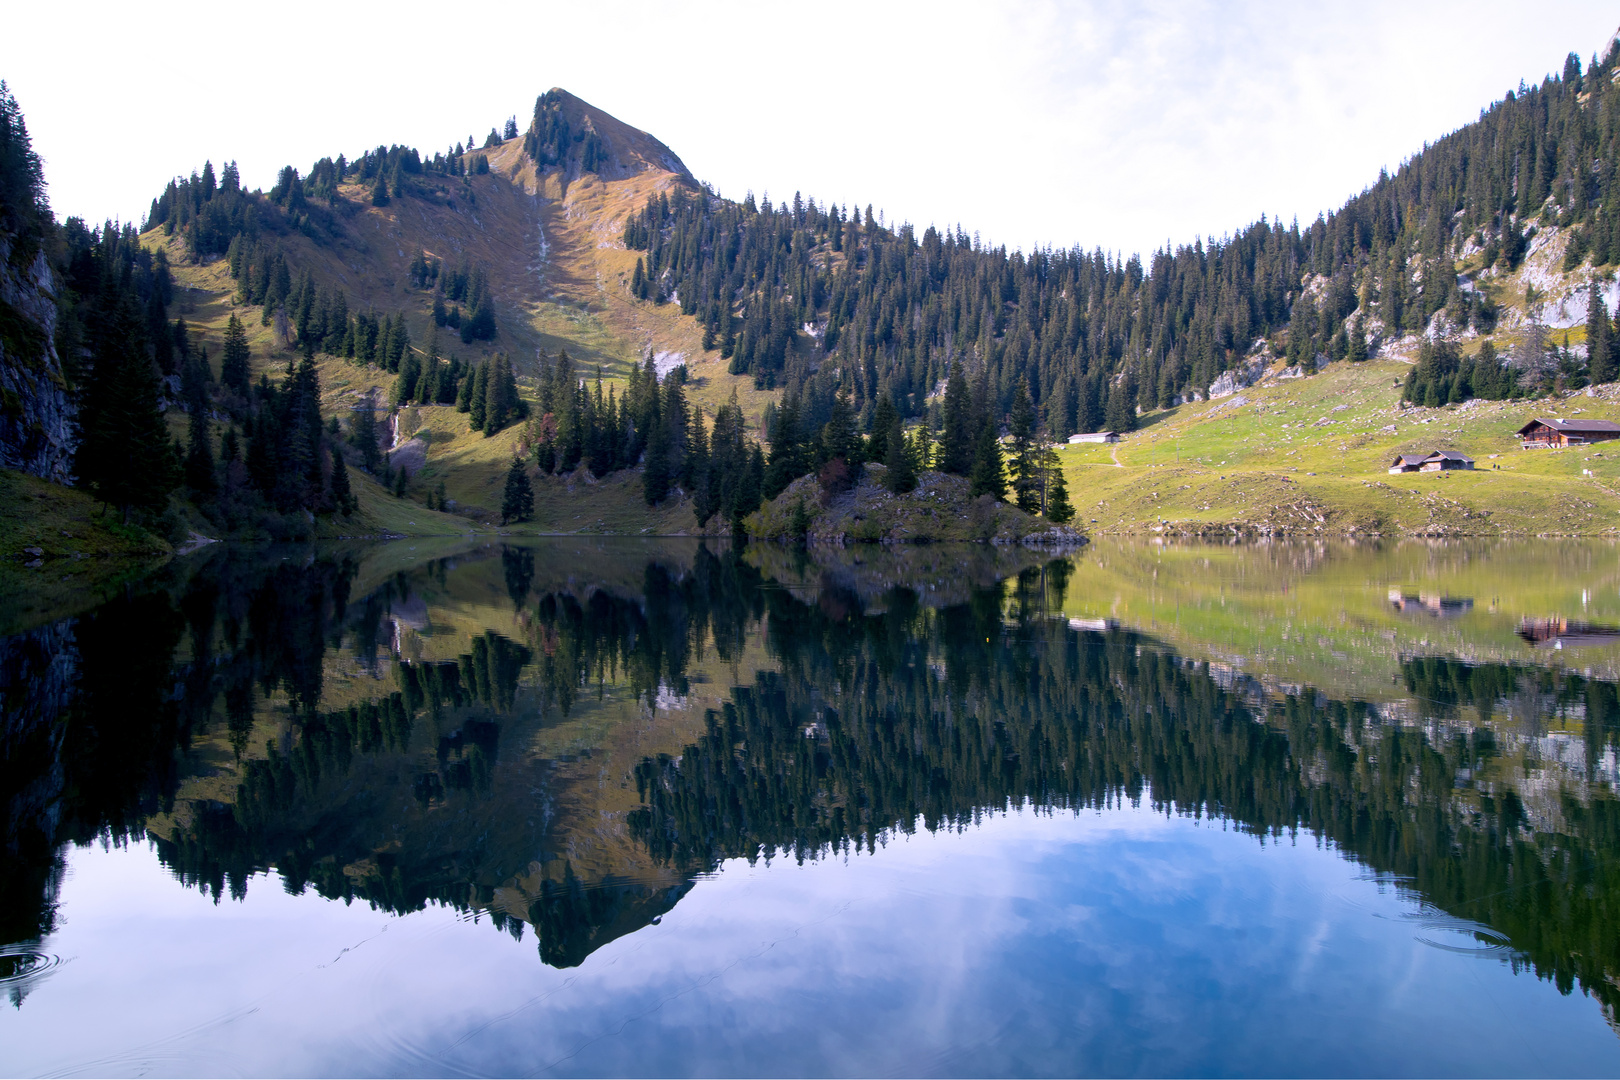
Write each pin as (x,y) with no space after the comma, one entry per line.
(1111,123)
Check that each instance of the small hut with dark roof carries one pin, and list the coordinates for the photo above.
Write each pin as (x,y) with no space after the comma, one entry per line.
(1411,461)
(1434,461)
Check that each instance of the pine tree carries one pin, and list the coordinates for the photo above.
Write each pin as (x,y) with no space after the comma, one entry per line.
(1025,469)
(900,477)
(501,404)
(838,435)
(786,462)
(124,454)
(199,452)
(410,372)
(655,475)
(751,488)
(464,392)
(957,441)
(1600,357)
(1120,414)
(884,420)
(517,502)
(342,493)
(233,363)
(363,435)
(1058,507)
(1358,342)
(477,411)
(988,476)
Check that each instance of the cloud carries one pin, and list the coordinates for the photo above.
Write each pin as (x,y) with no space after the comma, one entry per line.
(1101,123)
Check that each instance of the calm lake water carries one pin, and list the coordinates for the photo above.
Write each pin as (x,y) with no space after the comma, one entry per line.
(586,807)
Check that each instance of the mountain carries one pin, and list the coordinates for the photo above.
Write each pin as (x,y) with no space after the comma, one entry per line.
(699,330)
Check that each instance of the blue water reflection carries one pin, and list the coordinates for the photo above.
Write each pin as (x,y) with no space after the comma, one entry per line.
(1119,942)
(536,812)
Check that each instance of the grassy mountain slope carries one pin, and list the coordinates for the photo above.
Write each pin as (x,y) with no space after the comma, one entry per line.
(1310,456)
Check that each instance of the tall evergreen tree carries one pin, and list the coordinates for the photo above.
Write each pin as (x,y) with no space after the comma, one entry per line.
(1600,357)
(199,452)
(124,454)
(900,477)
(1058,507)
(363,435)
(342,492)
(234,362)
(477,403)
(517,501)
(988,476)
(787,461)
(1026,478)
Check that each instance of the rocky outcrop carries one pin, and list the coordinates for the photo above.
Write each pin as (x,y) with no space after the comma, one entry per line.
(938,509)
(1239,378)
(35,411)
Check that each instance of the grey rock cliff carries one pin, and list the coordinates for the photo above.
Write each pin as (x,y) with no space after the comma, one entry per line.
(36,413)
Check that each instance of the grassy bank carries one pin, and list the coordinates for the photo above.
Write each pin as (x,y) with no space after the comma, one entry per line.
(61,551)
(1309,456)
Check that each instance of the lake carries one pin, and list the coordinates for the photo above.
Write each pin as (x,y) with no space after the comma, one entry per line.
(594,807)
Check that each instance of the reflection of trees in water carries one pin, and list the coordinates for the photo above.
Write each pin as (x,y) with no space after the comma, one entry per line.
(873,723)
(145,669)
(315,803)
(876,724)
(1528,696)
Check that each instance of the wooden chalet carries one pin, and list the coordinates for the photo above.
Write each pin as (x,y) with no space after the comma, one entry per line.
(1544,433)
(1095,437)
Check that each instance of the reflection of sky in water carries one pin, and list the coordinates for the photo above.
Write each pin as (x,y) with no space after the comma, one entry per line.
(1112,943)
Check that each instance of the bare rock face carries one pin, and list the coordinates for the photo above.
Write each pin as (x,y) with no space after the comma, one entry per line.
(1235,379)
(35,411)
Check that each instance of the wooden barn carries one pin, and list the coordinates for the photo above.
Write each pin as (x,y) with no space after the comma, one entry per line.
(1095,437)
(1544,433)
(1442,460)
(1411,462)
(1434,461)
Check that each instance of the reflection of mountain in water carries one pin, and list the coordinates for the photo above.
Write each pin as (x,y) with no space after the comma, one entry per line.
(387,748)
